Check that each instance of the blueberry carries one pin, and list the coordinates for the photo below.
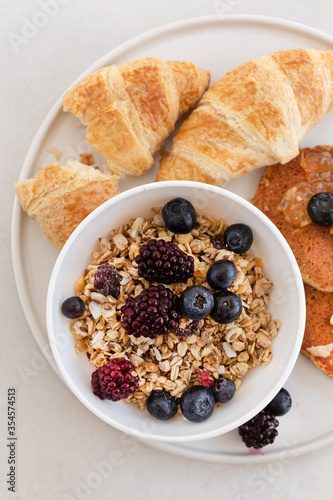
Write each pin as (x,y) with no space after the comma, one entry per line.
(320,208)
(221,274)
(224,390)
(196,302)
(281,404)
(73,307)
(179,216)
(161,405)
(238,238)
(197,403)
(227,307)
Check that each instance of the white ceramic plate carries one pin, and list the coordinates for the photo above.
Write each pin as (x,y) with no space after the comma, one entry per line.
(219,44)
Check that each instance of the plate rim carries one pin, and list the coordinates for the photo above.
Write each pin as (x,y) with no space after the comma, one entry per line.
(16,221)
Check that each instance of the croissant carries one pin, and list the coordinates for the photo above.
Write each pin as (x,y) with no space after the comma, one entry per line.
(60,197)
(129,109)
(254,116)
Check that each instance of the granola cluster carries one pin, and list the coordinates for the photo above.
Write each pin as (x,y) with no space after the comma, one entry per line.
(168,361)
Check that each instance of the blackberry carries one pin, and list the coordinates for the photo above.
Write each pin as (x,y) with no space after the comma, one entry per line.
(107,280)
(163,262)
(154,312)
(115,380)
(260,430)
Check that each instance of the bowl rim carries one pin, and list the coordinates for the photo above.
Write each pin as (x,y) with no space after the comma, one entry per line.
(299,290)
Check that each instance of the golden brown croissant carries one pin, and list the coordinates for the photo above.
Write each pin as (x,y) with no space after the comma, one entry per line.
(254,116)
(60,197)
(129,109)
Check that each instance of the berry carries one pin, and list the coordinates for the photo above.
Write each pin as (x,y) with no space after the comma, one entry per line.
(179,216)
(227,307)
(196,302)
(107,280)
(154,312)
(197,403)
(259,431)
(161,405)
(238,238)
(217,242)
(163,262)
(320,208)
(114,380)
(189,330)
(73,307)
(224,390)
(221,274)
(205,379)
(281,404)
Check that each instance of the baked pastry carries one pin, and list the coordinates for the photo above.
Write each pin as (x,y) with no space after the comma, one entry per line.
(311,244)
(317,344)
(60,197)
(253,116)
(129,109)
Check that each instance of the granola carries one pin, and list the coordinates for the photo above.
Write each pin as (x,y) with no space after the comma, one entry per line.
(171,362)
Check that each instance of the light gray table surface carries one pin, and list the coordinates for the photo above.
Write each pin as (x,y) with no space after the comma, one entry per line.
(61,444)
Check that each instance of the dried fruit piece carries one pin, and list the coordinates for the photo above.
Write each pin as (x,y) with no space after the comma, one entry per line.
(107,280)
(205,379)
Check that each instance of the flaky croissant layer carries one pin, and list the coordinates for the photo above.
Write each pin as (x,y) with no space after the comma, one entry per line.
(130,109)
(61,196)
(255,115)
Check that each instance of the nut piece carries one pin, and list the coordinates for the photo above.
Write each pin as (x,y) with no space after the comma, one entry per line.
(322,351)
(120,241)
(263,340)
(182,348)
(137,227)
(98,297)
(164,365)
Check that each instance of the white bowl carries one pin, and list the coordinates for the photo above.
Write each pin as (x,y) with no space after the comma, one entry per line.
(287,303)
